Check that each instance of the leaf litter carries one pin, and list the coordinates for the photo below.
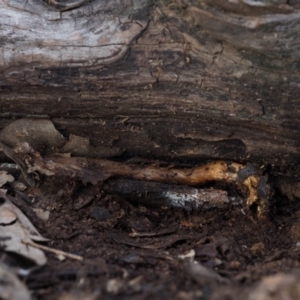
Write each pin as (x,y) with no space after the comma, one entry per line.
(15,228)
(11,287)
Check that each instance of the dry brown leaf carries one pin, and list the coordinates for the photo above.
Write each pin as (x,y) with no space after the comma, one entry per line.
(7,216)
(11,287)
(12,237)
(5,177)
(18,228)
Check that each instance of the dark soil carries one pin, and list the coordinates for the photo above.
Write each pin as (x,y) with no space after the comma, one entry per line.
(134,251)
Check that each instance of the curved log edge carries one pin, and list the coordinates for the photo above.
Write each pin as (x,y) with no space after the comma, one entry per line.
(185,80)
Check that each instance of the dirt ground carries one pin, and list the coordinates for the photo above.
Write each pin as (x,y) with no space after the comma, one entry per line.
(137,251)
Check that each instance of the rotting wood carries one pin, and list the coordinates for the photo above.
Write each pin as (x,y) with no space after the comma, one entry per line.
(183,80)
(170,195)
(248,179)
(245,177)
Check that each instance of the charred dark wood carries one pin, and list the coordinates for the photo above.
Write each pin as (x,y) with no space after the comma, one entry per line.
(168,195)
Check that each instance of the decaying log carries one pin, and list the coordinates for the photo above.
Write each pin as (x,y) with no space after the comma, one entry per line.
(179,80)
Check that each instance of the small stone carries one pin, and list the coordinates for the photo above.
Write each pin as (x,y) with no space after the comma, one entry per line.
(234,265)
(189,255)
(99,213)
(114,286)
(258,249)
(42,214)
(90,232)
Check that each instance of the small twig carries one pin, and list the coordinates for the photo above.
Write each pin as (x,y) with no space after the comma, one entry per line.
(153,234)
(159,244)
(55,251)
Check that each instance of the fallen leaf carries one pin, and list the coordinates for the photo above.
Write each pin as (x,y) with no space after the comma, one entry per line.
(7,216)
(5,177)
(18,228)
(11,241)
(11,287)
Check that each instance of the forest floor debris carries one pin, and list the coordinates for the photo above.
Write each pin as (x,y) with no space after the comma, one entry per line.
(130,239)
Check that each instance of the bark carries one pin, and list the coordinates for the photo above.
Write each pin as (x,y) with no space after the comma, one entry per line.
(175,79)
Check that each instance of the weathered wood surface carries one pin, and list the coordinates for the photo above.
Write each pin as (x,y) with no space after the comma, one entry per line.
(181,79)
